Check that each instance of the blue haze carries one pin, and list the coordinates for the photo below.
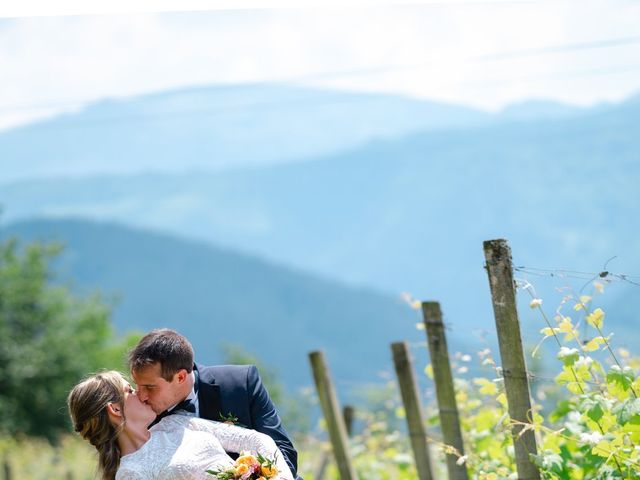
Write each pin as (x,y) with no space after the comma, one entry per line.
(375,191)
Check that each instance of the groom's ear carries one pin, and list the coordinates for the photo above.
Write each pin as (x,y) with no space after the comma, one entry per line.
(181,375)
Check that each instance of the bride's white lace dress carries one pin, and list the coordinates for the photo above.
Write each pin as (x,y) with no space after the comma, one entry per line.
(183,448)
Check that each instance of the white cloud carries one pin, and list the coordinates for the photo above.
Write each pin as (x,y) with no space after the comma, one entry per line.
(93,7)
(433,50)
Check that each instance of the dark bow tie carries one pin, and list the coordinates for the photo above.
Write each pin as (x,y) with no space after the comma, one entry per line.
(186,405)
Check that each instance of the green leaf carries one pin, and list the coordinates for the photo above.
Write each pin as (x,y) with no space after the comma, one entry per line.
(596,318)
(596,412)
(622,378)
(487,387)
(549,461)
(628,411)
(569,356)
(594,344)
(562,409)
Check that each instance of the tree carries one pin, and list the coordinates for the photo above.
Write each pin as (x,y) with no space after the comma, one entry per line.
(49,340)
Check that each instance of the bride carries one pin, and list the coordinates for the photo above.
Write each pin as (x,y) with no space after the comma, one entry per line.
(106,411)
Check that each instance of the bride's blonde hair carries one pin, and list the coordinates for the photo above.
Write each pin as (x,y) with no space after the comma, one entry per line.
(87,404)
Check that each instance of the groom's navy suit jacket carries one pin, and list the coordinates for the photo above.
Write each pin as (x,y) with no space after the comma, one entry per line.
(238,390)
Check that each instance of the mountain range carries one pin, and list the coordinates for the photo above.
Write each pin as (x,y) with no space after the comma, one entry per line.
(217,127)
(214,127)
(217,297)
(391,201)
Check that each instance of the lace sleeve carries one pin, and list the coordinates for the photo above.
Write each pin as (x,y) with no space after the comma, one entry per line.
(237,439)
(126,474)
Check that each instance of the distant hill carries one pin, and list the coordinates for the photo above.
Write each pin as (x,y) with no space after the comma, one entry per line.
(539,109)
(213,296)
(406,214)
(209,128)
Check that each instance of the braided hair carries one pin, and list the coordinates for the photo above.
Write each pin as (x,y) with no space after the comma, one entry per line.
(87,404)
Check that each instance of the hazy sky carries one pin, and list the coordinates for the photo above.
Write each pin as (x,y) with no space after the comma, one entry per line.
(480,53)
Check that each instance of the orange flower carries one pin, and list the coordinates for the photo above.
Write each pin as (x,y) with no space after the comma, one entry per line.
(246,459)
(242,469)
(269,471)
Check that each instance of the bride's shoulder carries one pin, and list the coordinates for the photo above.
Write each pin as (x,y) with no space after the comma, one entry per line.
(170,422)
(130,470)
(198,423)
(178,421)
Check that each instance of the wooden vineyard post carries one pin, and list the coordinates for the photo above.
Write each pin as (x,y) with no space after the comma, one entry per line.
(413,409)
(443,379)
(6,469)
(348,413)
(332,415)
(499,268)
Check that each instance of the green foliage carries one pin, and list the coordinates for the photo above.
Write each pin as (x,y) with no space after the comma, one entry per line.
(378,450)
(37,459)
(592,431)
(482,406)
(381,451)
(49,340)
(211,294)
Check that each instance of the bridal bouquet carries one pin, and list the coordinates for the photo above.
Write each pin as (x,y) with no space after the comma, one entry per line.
(248,467)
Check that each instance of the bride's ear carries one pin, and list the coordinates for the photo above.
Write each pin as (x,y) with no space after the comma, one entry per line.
(114,410)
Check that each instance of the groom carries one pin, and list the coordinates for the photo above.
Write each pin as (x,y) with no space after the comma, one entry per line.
(168,380)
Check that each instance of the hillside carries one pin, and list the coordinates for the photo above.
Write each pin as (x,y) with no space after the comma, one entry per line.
(208,128)
(214,296)
(408,214)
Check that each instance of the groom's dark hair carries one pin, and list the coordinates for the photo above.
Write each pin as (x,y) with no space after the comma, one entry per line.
(164,346)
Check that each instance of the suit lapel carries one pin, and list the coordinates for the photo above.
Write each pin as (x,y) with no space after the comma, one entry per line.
(209,401)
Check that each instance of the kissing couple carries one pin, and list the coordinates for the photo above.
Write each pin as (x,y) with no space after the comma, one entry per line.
(172,426)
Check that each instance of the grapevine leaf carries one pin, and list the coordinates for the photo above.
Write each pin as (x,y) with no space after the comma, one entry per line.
(596,318)
(569,356)
(487,387)
(622,378)
(596,412)
(593,344)
(549,461)
(562,409)
(628,411)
